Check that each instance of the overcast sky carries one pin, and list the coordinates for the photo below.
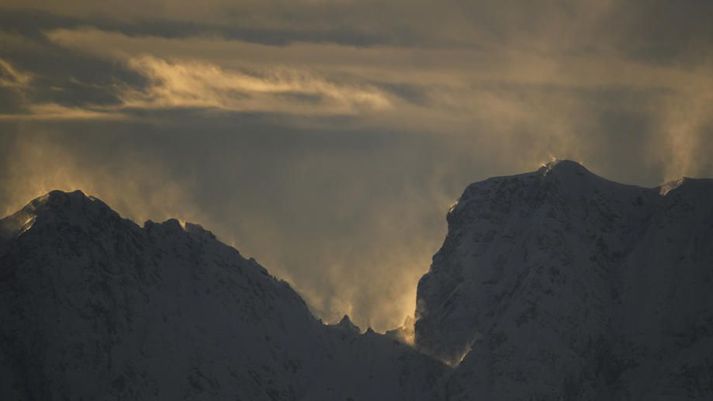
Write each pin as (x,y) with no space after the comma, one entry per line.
(328,138)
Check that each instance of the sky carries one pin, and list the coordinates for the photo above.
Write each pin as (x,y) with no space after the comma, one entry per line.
(327,138)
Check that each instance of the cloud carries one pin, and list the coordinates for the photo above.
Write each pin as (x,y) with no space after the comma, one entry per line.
(193,84)
(54,112)
(11,77)
(24,108)
(505,95)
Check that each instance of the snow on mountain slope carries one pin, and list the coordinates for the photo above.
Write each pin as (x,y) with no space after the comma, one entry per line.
(551,285)
(94,307)
(561,285)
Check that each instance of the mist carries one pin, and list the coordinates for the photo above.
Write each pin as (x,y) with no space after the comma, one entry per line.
(332,153)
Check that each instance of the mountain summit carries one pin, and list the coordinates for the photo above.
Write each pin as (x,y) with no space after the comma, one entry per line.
(561,285)
(565,166)
(93,306)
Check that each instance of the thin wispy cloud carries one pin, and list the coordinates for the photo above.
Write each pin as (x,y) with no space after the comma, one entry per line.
(11,77)
(53,111)
(193,84)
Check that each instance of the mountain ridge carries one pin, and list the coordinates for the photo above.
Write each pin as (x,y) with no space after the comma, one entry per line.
(547,287)
(555,284)
(94,306)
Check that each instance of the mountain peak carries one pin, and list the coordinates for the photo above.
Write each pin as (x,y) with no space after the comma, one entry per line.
(178,226)
(697,187)
(74,208)
(76,277)
(553,261)
(77,194)
(57,200)
(563,166)
(347,324)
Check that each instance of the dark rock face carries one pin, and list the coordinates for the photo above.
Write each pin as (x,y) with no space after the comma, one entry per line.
(94,307)
(560,285)
(551,285)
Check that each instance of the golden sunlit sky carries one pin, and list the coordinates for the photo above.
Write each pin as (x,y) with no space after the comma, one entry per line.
(328,138)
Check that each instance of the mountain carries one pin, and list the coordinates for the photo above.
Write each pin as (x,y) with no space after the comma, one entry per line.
(95,307)
(551,285)
(561,285)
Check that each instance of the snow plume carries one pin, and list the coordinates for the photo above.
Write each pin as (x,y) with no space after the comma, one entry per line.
(346,247)
(687,126)
(139,188)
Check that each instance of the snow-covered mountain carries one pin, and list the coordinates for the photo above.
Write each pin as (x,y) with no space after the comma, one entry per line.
(551,285)
(95,307)
(561,285)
